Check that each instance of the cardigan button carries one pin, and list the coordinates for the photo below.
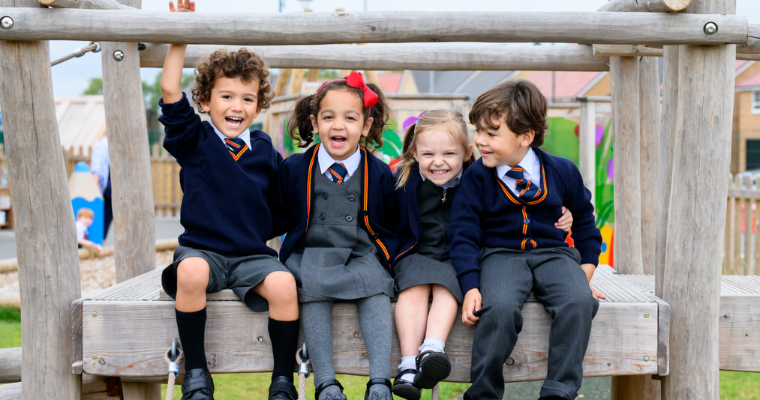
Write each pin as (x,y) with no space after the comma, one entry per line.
(349,218)
(351,198)
(322,216)
(376,236)
(324,196)
(526,221)
(365,213)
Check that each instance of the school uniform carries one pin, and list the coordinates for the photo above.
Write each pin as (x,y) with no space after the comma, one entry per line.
(225,207)
(507,246)
(423,256)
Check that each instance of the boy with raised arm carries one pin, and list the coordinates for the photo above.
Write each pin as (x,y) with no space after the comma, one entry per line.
(226,173)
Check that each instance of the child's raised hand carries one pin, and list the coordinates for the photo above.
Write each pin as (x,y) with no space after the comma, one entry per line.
(565,221)
(472,302)
(182,6)
(597,294)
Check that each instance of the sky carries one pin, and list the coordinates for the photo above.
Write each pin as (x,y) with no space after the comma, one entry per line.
(71,78)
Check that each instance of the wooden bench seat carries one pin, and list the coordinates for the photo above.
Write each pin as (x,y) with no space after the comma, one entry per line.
(125,331)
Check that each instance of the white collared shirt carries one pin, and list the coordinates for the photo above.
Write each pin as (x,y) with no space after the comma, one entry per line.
(531,171)
(246,135)
(351,163)
(450,184)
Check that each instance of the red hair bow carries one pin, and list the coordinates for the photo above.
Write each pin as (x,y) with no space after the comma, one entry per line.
(356,80)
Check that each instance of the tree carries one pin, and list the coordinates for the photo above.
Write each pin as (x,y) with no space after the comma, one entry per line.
(96,86)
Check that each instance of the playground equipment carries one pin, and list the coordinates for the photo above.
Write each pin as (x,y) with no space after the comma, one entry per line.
(119,337)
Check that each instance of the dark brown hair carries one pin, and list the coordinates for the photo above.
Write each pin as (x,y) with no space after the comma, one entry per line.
(301,130)
(520,102)
(243,64)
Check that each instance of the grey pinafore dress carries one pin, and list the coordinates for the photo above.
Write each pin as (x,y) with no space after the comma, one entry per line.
(431,263)
(335,259)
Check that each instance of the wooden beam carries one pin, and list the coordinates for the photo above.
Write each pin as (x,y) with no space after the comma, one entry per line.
(701,161)
(454,57)
(11,391)
(372,27)
(749,51)
(87,4)
(649,117)
(662,6)
(10,365)
(626,128)
(587,146)
(44,220)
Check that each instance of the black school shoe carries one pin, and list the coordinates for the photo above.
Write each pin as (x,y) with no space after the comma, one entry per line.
(405,389)
(434,367)
(322,387)
(282,388)
(377,381)
(198,385)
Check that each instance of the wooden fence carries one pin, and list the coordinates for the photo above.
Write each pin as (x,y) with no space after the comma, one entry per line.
(742,241)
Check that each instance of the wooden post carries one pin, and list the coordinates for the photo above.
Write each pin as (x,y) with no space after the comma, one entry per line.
(624,72)
(129,151)
(749,257)
(45,231)
(649,106)
(587,145)
(701,160)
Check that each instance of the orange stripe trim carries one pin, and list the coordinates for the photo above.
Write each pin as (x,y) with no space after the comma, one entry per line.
(366,217)
(308,186)
(522,245)
(340,180)
(546,191)
(525,216)
(237,157)
(405,251)
(533,243)
(509,196)
(232,143)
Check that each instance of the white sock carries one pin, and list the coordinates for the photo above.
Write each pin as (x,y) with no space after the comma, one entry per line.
(432,344)
(408,362)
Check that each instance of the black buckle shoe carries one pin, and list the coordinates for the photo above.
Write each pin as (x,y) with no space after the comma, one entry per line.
(323,386)
(378,381)
(282,388)
(198,385)
(405,389)
(434,367)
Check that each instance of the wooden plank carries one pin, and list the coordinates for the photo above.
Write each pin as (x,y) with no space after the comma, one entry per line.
(749,255)
(372,27)
(691,281)
(743,193)
(11,391)
(663,6)
(237,340)
(76,336)
(48,266)
(100,388)
(626,128)
(10,365)
(87,4)
(749,51)
(728,245)
(450,57)
(649,116)
(737,227)
(587,145)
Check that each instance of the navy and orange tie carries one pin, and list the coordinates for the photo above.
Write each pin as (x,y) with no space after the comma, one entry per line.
(528,190)
(337,173)
(236,146)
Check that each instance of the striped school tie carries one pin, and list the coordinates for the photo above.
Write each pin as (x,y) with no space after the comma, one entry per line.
(337,173)
(528,190)
(236,146)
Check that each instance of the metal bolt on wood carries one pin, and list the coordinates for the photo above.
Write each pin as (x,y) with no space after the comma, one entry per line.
(260,339)
(646,358)
(6,23)
(118,55)
(94,313)
(711,28)
(94,356)
(646,315)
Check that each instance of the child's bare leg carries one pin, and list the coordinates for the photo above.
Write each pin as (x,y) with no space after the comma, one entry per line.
(192,281)
(411,317)
(279,289)
(442,314)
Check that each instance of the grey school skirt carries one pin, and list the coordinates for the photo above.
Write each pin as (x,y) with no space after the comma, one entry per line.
(416,269)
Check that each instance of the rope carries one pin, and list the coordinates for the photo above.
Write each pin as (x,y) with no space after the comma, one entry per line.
(303,373)
(173,372)
(435,392)
(78,53)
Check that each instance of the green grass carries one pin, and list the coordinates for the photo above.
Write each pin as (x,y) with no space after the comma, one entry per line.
(733,385)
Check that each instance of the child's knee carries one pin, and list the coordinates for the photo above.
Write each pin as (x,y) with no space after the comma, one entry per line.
(504,313)
(281,288)
(416,293)
(192,274)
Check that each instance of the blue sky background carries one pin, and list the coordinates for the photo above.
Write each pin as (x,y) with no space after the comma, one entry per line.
(71,78)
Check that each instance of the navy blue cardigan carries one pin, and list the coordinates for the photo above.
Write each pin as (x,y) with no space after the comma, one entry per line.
(486,213)
(225,205)
(378,214)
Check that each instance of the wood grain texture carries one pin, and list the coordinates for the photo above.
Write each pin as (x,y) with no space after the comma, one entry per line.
(404,56)
(691,281)
(44,221)
(11,391)
(749,51)
(10,365)
(237,340)
(649,117)
(662,6)
(76,336)
(587,146)
(372,27)
(624,73)
(101,388)
(86,4)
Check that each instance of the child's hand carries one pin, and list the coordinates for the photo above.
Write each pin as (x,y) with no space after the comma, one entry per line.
(472,302)
(565,221)
(596,294)
(182,6)
(100,250)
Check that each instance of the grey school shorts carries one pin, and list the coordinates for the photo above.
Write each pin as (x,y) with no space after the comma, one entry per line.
(241,274)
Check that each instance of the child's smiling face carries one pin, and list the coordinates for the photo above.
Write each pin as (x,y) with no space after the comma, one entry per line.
(233,105)
(439,155)
(86,220)
(501,146)
(340,123)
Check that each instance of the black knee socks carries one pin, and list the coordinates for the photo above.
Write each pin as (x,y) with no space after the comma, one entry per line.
(192,329)
(284,336)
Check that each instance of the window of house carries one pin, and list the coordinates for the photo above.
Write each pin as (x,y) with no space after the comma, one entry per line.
(753,154)
(756,102)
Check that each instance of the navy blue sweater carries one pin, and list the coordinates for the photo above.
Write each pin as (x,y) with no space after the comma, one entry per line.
(486,213)
(378,214)
(225,206)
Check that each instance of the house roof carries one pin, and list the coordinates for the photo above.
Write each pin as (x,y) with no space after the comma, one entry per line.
(471,83)
(751,80)
(389,81)
(567,84)
(81,121)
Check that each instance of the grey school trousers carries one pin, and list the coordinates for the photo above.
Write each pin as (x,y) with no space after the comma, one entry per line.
(506,279)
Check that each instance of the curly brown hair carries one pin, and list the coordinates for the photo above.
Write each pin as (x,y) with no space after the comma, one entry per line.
(242,64)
